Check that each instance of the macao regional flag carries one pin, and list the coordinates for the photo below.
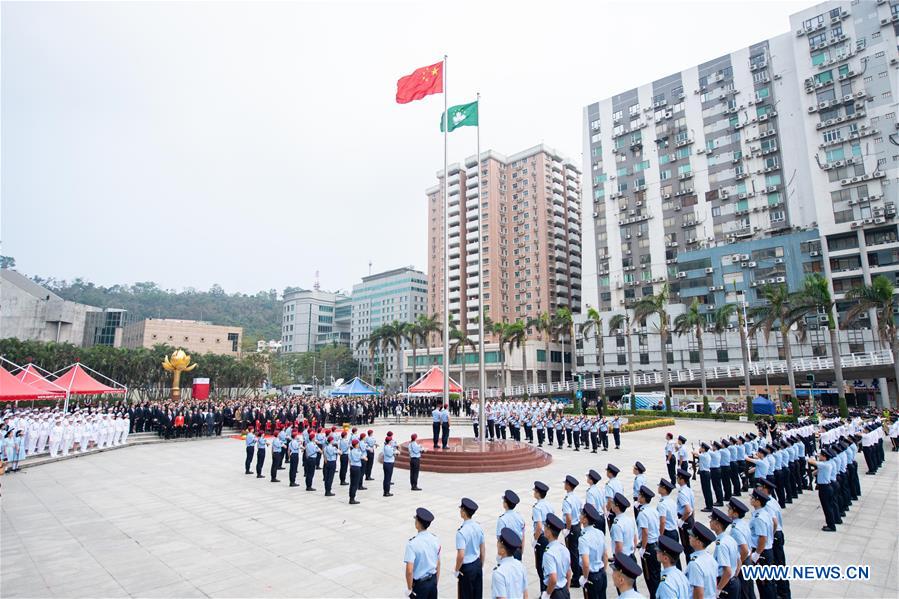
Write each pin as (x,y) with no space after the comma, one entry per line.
(462,115)
(422,82)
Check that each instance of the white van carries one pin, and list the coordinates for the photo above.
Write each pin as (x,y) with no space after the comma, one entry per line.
(696,406)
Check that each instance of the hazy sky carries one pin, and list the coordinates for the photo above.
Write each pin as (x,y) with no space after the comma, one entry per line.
(252,144)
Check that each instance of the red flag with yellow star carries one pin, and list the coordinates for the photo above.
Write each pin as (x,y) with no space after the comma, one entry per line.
(422,82)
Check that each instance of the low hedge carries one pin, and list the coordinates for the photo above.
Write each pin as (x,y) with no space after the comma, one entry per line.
(644,424)
(712,416)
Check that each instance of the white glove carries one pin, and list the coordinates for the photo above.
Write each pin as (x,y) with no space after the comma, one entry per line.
(534,544)
(408,593)
(582,581)
(754,557)
(544,595)
(456,573)
(641,552)
(680,523)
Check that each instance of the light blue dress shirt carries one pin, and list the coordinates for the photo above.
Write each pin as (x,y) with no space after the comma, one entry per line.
(469,538)
(702,571)
(512,520)
(592,543)
(510,579)
(623,530)
(648,518)
(556,559)
(761,525)
(727,553)
(572,506)
(673,585)
(423,552)
(414,450)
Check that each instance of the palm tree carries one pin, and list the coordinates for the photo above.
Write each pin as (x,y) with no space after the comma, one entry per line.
(428,326)
(623,321)
(516,335)
(657,305)
(880,297)
(815,298)
(721,320)
(693,321)
(547,328)
(412,334)
(459,340)
(372,342)
(777,313)
(391,336)
(593,324)
(565,326)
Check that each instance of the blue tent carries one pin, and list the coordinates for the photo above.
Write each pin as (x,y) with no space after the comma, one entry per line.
(762,405)
(355,387)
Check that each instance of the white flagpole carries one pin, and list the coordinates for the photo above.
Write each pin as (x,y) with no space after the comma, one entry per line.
(482,400)
(445,243)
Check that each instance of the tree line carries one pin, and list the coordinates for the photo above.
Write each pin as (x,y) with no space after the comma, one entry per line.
(781,311)
(140,369)
(258,314)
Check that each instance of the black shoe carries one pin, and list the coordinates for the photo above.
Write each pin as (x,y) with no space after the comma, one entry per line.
(259,476)
(344,484)
(416,488)
(329,494)
(353,502)
(363,488)
(718,503)
(828,529)
(294,485)
(388,494)
(275,480)
(706,509)
(594,451)
(309,489)
(248,472)
(369,478)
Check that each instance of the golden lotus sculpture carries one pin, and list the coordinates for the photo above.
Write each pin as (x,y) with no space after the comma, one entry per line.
(176,364)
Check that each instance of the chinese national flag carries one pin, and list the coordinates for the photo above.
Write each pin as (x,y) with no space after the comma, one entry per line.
(422,82)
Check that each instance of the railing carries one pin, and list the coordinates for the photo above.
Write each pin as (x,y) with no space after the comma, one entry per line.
(654,379)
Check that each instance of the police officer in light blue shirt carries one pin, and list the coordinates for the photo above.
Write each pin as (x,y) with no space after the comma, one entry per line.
(470,552)
(261,444)
(389,454)
(592,554)
(639,471)
(251,445)
(571,515)
(435,425)
(667,508)
(422,558)
(648,538)
(294,449)
(330,468)
(702,570)
(510,579)
(556,560)
(357,456)
(415,450)
(673,583)
(311,455)
(623,531)
(726,553)
(539,513)
(511,519)
(276,458)
(705,474)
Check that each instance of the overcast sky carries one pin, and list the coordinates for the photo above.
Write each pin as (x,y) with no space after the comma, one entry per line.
(252,144)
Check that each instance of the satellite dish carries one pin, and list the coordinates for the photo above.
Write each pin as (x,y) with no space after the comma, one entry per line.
(338,382)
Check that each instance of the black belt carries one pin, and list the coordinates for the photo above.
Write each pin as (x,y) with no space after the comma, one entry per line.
(426,578)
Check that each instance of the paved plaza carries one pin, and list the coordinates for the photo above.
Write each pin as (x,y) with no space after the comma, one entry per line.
(182,520)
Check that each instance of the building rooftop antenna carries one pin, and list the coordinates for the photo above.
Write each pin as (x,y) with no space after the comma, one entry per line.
(369,267)
(316,285)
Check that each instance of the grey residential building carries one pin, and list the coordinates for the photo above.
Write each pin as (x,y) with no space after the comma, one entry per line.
(311,318)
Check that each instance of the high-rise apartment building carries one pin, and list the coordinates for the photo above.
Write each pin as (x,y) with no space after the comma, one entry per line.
(754,168)
(532,237)
(395,295)
(792,135)
(312,318)
(847,69)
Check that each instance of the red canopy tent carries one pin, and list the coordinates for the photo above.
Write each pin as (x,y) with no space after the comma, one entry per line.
(31,376)
(78,382)
(432,382)
(12,389)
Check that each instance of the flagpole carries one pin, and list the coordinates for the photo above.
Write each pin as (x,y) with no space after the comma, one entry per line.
(482,399)
(445,242)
